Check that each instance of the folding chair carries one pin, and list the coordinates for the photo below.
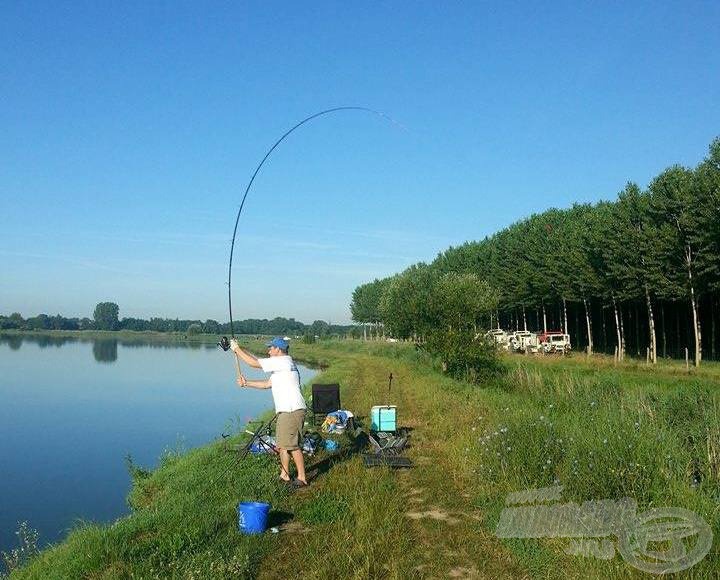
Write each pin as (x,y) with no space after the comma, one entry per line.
(325,399)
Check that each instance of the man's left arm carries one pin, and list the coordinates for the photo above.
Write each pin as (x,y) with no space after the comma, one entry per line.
(243,382)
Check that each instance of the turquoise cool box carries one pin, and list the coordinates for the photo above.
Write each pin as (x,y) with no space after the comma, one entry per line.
(383,418)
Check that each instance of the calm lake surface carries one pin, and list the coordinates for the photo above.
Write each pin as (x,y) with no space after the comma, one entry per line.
(71,410)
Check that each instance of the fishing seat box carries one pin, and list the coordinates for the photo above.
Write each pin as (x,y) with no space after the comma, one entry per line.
(383,418)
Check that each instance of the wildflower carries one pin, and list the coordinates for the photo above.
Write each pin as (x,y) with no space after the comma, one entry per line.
(542,417)
(593,403)
(605,441)
(548,462)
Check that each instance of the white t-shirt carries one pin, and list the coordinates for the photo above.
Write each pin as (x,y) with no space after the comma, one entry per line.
(285,382)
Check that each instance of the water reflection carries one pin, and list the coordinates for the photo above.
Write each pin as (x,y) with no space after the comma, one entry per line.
(105,351)
(14,342)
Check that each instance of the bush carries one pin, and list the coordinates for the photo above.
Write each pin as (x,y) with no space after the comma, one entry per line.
(464,355)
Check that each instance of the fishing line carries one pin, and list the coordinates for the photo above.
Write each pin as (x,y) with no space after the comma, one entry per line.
(224,342)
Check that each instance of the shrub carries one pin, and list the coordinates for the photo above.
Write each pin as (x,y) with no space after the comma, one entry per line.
(464,355)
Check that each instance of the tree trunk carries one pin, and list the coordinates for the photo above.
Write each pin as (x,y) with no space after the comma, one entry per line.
(524,319)
(618,330)
(622,335)
(544,318)
(565,326)
(364,331)
(604,329)
(589,326)
(651,327)
(696,327)
(693,301)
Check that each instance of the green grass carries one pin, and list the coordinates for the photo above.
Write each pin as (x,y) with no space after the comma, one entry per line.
(600,430)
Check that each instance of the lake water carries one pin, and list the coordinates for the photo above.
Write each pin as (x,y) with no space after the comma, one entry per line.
(70,411)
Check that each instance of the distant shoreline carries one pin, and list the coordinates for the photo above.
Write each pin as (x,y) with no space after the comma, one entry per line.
(120,334)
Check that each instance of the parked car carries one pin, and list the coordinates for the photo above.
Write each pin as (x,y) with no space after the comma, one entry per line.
(554,341)
(522,340)
(500,337)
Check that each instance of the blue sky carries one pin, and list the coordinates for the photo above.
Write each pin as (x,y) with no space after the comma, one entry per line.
(130,130)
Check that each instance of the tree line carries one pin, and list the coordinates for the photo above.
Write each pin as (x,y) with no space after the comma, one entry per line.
(106,317)
(640,274)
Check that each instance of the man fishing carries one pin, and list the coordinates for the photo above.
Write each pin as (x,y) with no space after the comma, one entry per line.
(289,403)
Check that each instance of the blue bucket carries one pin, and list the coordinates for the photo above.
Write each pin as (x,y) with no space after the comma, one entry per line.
(252,517)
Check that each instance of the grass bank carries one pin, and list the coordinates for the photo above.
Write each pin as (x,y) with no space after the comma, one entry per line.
(598,430)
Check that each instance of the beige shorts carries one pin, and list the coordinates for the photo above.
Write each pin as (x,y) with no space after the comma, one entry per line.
(288,434)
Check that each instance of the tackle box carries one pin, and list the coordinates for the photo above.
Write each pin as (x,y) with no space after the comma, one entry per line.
(383,418)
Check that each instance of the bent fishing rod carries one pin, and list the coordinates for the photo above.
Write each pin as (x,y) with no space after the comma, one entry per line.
(224,342)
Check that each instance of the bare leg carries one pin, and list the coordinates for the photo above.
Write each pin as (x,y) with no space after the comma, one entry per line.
(299,460)
(284,465)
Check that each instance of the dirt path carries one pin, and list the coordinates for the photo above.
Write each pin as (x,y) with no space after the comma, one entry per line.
(439,533)
(439,507)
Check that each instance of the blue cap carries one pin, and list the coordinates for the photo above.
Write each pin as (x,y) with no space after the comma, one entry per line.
(281,343)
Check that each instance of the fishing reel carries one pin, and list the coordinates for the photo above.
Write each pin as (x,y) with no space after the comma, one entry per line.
(224,343)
